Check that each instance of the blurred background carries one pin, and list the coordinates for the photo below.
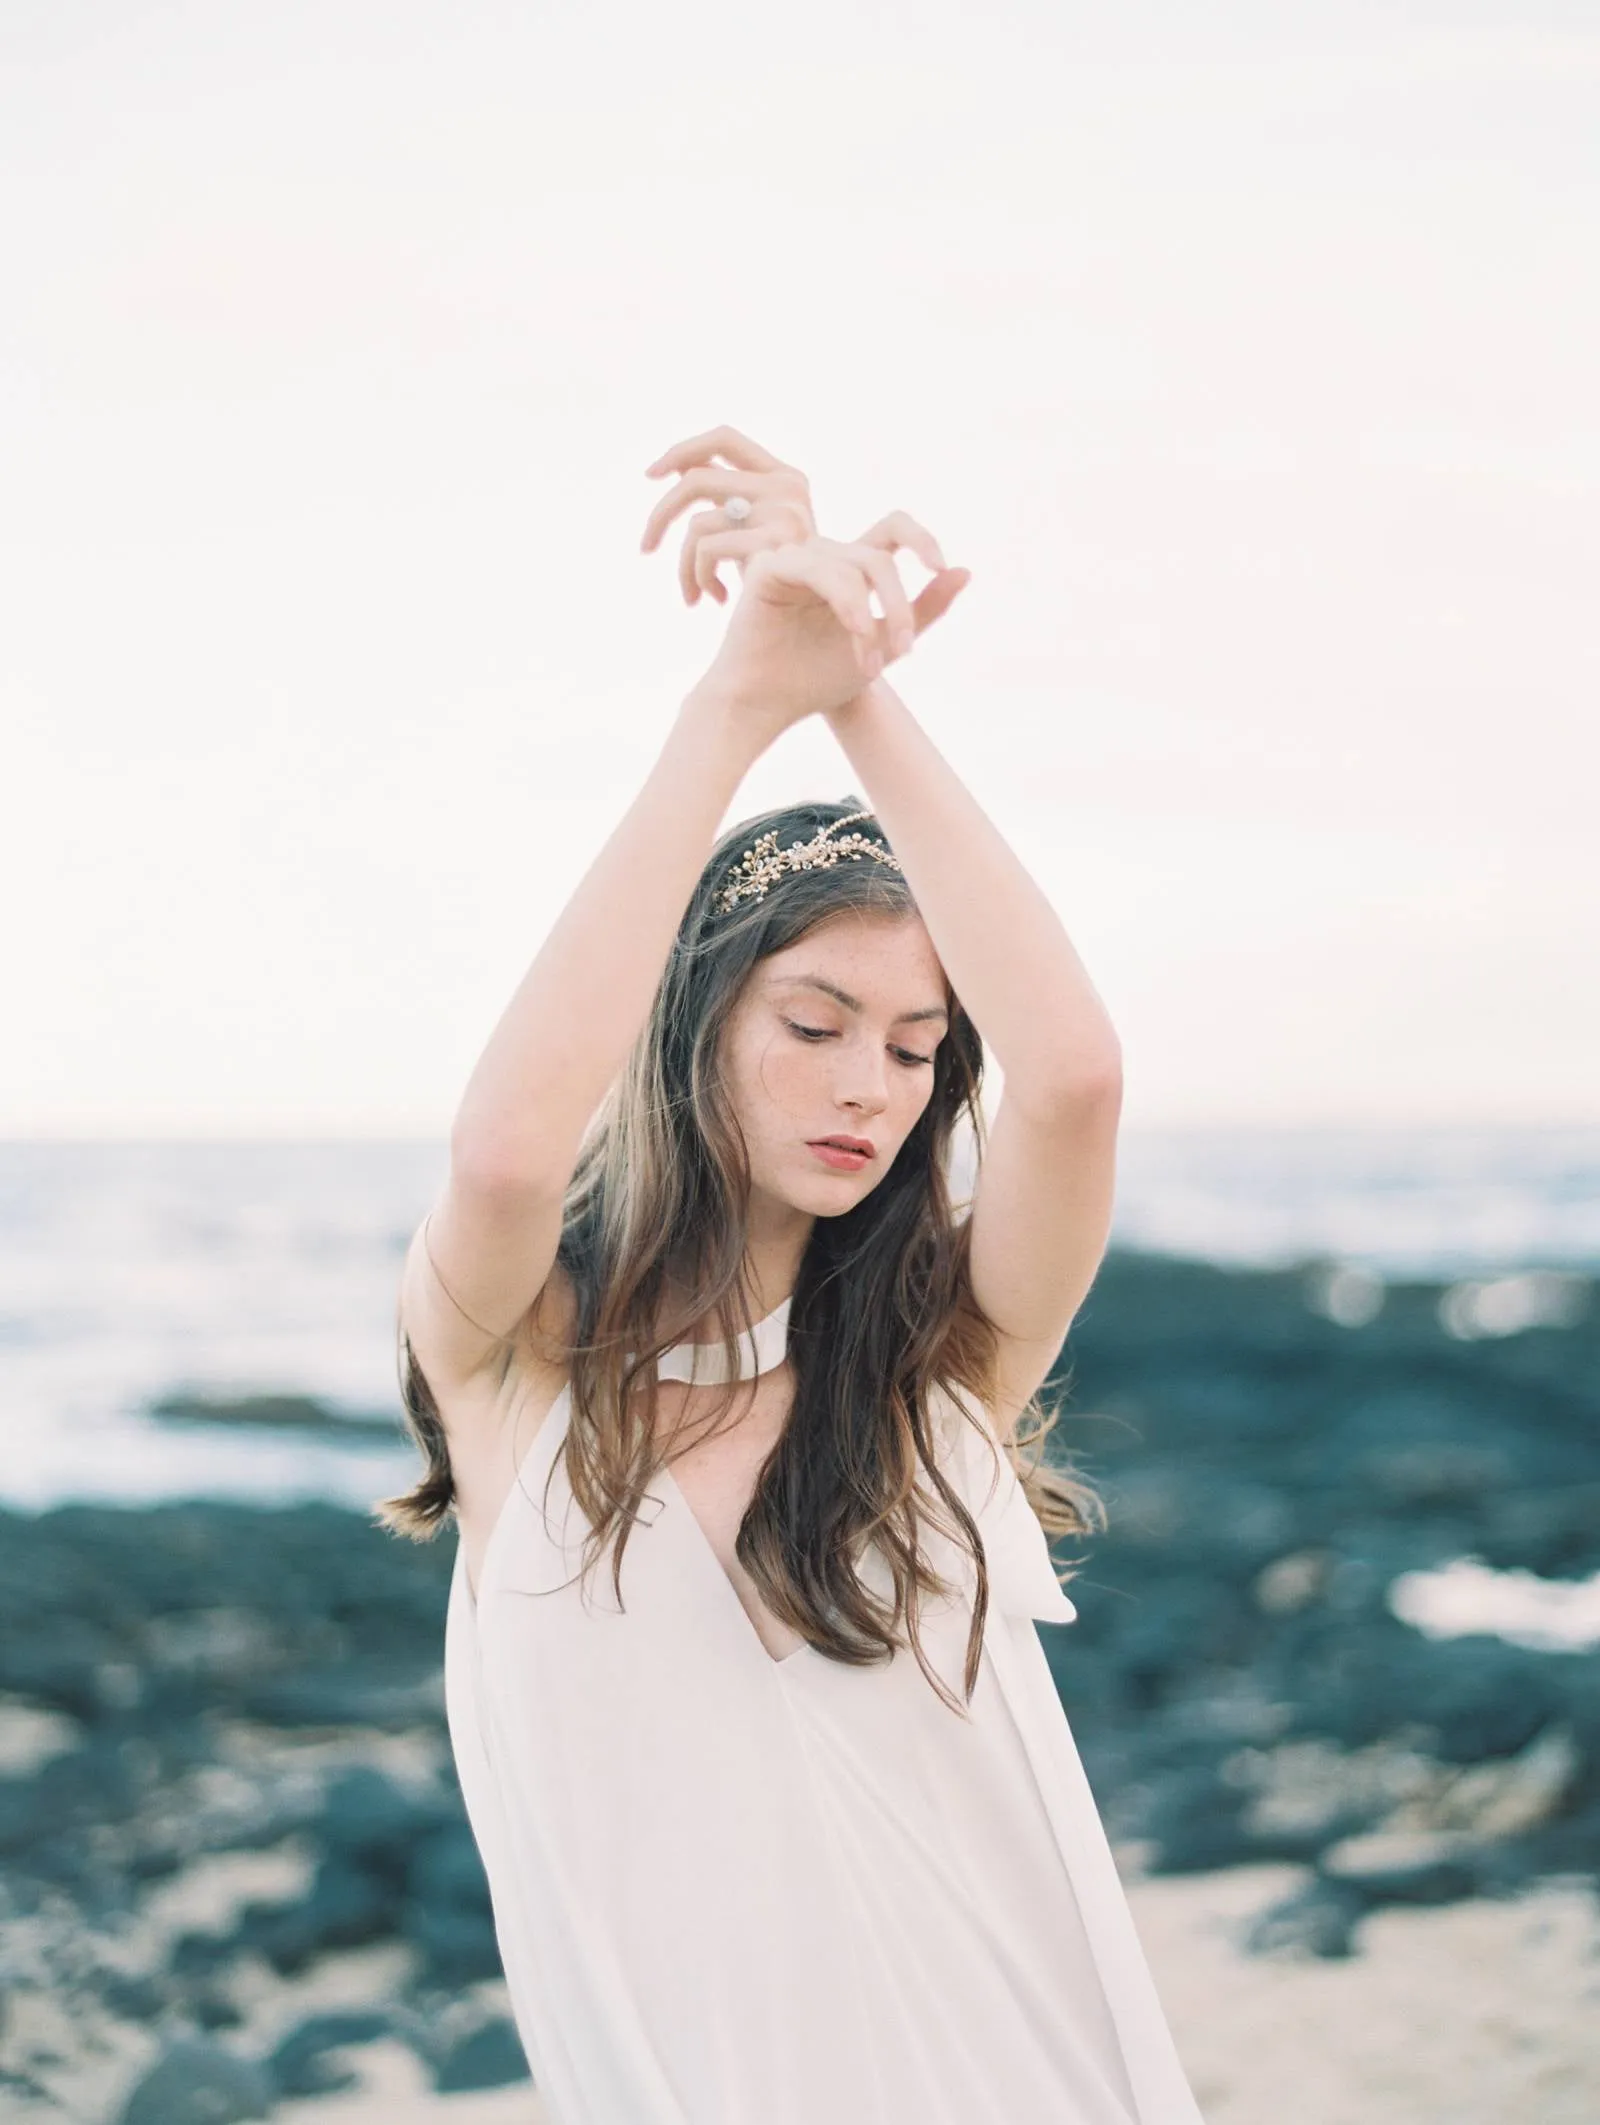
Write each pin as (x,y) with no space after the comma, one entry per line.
(1246,358)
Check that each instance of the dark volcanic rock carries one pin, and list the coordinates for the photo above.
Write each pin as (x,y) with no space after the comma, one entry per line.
(447,1915)
(1237,1682)
(1319,1919)
(197,2083)
(491,2057)
(300,2065)
(1267,1474)
(167,1633)
(371,1821)
(349,1906)
(299,1412)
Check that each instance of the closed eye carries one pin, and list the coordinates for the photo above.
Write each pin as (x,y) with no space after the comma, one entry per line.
(911,1061)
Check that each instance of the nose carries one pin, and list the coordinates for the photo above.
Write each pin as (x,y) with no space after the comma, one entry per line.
(863,1078)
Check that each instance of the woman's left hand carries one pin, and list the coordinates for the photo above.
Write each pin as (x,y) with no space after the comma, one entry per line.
(779,496)
(780,515)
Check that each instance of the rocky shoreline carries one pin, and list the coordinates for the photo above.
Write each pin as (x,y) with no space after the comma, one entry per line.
(231,1847)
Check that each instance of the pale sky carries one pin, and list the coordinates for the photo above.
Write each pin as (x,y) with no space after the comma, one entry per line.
(1250,366)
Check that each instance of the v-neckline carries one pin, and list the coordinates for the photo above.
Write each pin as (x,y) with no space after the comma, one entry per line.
(762,1349)
(702,1540)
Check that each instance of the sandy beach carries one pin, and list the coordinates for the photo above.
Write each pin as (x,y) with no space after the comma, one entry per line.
(236,1880)
(1485,2013)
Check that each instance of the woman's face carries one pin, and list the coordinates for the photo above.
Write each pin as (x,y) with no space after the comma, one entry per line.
(834,1037)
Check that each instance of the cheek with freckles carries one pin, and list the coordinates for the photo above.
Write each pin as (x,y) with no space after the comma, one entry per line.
(781,1081)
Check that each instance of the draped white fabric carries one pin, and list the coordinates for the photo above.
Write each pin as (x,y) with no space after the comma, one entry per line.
(729,1888)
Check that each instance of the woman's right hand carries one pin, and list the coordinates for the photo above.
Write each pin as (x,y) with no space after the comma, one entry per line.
(803,638)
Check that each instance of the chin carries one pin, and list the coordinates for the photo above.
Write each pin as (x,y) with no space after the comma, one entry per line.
(833,1192)
(819,1194)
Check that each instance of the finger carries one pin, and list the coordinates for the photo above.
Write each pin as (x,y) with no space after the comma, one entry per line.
(936,598)
(772,524)
(817,566)
(696,529)
(874,565)
(764,491)
(711,483)
(706,483)
(898,530)
(882,574)
(724,442)
(715,547)
(700,527)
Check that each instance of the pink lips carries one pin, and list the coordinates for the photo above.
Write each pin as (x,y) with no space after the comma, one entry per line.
(841,1160)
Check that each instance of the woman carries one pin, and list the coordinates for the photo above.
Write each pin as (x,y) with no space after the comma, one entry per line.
(785,1822)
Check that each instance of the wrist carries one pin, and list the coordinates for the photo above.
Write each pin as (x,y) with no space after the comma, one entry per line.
(855,708)
(726,725)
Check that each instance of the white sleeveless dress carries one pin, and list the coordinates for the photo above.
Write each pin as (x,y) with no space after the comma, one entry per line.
(734,1890)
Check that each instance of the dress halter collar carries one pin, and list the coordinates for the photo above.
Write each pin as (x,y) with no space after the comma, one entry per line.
(763,1346)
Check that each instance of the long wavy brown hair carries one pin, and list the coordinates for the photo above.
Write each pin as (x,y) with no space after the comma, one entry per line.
(882,1317)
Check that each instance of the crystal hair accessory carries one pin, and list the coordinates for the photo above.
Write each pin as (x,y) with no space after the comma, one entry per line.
(763,862)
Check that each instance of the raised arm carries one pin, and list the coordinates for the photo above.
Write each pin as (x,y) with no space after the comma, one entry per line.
(488,1244)
(799,641)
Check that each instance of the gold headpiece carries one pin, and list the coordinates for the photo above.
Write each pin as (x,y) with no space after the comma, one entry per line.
(763,862)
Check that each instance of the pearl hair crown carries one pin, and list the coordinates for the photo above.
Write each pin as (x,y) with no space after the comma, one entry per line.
(763,862)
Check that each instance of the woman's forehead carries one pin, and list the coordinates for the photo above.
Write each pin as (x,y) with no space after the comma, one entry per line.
(886,936)
(882,962)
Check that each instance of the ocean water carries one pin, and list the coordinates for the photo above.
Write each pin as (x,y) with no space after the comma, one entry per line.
(1464,1203)
(129,1271)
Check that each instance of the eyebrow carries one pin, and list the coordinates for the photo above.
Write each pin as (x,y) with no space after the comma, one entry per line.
(853,1003)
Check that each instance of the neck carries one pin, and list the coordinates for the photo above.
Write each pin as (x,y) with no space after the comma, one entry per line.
(776,1238)
(774,1248)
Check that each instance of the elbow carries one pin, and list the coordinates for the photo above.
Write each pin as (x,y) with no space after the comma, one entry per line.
(1082,1078)
(499,1172)
(1074,1086)
(1104,1077)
